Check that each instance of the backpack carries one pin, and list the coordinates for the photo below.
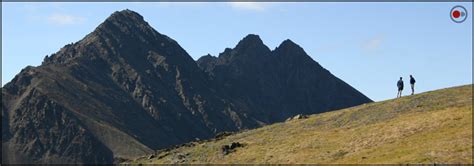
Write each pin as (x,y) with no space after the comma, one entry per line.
(400,84)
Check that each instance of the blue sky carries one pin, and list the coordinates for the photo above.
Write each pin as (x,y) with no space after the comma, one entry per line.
(368,45)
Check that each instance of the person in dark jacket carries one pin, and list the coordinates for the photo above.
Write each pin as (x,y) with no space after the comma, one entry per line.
(400,87)
(412,83)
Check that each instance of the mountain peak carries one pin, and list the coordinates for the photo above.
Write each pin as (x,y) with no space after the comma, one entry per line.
(288,44)
(288,47)
(251,40)
(127,22)
(122,31)
(125,14)
(252,37)
(287,41)
(120,27)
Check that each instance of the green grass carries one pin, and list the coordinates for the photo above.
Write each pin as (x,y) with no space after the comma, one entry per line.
(432,127)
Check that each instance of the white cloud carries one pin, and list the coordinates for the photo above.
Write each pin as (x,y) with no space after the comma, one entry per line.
(253,6)
(373,43)
(65,19)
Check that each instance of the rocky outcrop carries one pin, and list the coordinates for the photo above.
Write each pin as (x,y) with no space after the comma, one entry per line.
(299,116)
(226,149)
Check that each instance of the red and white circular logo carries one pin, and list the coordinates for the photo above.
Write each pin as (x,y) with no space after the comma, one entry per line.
(458,14)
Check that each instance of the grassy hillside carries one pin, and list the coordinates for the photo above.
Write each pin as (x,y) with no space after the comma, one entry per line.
(432,127)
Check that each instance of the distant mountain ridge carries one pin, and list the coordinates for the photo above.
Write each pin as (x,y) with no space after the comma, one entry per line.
(126,90)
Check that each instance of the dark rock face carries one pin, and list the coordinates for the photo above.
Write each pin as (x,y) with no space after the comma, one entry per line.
(277,84)
(126,90)
(45,131)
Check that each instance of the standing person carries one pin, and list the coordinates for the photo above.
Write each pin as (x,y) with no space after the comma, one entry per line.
(400,87)
(412,83)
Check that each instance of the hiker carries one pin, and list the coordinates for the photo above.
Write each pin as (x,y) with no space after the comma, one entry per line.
(412,83)
(400,87)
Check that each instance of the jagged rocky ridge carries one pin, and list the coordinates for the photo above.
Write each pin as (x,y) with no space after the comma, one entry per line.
(277,84)
(126,90)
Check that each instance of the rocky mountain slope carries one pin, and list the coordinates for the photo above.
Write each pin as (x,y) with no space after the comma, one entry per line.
(280,83)
(126,90)
(432,127)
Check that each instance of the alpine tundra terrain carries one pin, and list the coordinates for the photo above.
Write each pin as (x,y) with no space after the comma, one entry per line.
(126,90)
(432,127)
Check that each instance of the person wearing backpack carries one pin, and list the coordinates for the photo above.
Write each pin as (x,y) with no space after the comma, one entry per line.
(400,87)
